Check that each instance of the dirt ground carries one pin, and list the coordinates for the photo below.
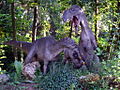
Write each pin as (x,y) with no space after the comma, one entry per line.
(22,86)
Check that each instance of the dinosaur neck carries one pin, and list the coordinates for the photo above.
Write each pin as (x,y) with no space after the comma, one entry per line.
(87,34)
(60,45)
(84,23)
(57,48)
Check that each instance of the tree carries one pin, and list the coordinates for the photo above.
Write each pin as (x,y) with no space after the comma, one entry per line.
(96,20)
(35,22)
(13,27)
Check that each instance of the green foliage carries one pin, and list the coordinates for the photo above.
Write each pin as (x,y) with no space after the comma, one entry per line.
(5,18)
(18,67)
(59,77)
(66,77)
(111,67)
(50,11)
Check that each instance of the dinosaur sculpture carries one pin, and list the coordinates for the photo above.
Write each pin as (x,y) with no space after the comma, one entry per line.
(47,48)
(74,56)
(72,53)
(24,46)
(77,17)
(87,41)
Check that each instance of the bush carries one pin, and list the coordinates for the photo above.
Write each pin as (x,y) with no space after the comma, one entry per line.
(64,77)
(59,77)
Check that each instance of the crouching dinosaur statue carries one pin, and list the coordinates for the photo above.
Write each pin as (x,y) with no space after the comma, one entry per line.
(47,48)
(69,53)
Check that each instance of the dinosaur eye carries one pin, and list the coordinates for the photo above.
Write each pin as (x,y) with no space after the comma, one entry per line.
(75,55)
(72,9)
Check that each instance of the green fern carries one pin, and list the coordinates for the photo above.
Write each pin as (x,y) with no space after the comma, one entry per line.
(18,67)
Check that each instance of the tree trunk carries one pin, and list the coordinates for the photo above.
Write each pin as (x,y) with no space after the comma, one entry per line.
(96,21)
(114,35)
(34,28)
(52,26)
(13,27)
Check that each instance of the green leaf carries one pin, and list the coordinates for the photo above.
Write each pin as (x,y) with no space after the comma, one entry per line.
(10,1)
(18,66)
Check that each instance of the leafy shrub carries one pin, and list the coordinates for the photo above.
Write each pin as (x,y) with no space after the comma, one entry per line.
(18,66)
(59,77)
(65,77)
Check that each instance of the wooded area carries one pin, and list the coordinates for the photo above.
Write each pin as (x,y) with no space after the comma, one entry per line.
(60,44)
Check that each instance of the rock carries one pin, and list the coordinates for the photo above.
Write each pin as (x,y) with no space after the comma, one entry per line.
(4,78)
(89,78)
(29,70)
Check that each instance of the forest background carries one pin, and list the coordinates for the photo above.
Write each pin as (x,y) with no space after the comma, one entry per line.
(27,20)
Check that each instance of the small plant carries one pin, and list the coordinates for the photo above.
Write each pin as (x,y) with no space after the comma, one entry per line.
(18,67)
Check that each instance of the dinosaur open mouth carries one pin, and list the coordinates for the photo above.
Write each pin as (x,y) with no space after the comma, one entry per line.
(75,21)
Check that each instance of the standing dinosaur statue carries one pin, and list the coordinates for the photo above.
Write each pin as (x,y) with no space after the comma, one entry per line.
(87,41)
(77,17)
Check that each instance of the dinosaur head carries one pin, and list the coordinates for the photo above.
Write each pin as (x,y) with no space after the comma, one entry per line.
(77,58)
(72,12)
